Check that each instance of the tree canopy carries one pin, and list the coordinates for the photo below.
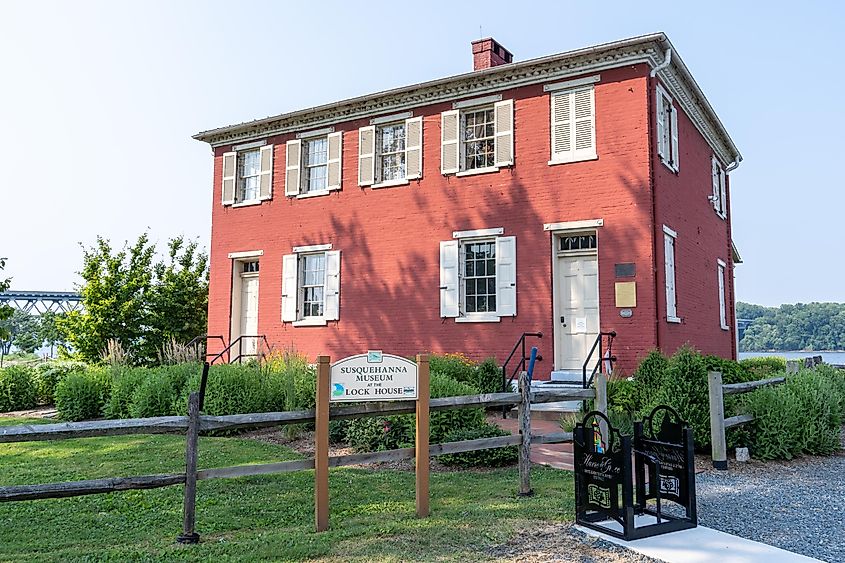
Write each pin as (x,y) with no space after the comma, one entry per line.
(139,303)
(802,326)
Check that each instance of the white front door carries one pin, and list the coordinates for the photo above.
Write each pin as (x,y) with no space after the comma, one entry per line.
(577,325)
(249,314)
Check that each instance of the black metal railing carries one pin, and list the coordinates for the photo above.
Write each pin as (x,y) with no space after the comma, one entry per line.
(238,345)
(597,367)
(202,340)
(523,359)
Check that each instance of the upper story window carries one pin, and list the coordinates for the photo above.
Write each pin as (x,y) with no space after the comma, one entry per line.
(667,130)
(478,276)
(390,152)
(476,137)
(573,125)
(313,164)
(311,285)
(247,174)
(719,197)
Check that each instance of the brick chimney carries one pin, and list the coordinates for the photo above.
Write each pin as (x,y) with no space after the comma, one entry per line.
(487,53)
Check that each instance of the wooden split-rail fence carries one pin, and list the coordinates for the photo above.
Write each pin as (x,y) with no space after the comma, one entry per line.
(197,423)
(718,423)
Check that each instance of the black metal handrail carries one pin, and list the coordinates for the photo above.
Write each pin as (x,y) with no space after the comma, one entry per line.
(204,338)
(597,368)
(239,343)
(523,359)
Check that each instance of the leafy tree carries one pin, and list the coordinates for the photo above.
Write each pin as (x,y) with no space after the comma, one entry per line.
(49,330)
(810,326)
(20,330)
(135,302)
(5,310)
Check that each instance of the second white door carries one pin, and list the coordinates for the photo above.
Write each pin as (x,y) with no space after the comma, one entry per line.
(578,307)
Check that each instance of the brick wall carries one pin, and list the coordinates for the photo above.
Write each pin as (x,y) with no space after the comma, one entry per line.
(389,237)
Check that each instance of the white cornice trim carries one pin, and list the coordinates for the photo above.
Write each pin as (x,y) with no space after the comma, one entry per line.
(566,84)
(486,100)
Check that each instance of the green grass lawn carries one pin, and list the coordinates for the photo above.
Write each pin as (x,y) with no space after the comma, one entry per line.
(257,518)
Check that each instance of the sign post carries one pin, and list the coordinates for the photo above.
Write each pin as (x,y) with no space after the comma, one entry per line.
(321,446)
(422,460)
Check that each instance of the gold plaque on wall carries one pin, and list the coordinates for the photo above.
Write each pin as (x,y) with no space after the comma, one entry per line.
(626,294)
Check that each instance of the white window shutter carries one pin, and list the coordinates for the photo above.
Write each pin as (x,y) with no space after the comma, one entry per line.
(266,180)
(335,165)
(449,278)
(289,290)
(331,307)
(723,321)
(676,157)
(506,276)
(413,148)
(449,141)
(293,158)
(669,268)
(503,122)
(661,126)
(584,118)
(714,178)
(723,193)
(230,171)
(561,126)
(366,156)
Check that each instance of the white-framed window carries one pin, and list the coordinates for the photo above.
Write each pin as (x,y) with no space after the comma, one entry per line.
(478,276)
(311,285)
(669,238)
(313,164)
(573,125)
(667,130)
(390,152)
(248,175)
(720,195)
(477,138)
(723,310)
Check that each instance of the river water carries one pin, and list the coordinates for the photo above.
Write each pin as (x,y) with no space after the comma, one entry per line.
(837,358)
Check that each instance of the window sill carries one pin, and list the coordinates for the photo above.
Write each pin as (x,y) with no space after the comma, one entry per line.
(722,216)
(668,165)
(675,320)
(725,327)
(391,184)
(585,158)
(313,321)
(313,194)
(483,319)
(475,171)
(248,203)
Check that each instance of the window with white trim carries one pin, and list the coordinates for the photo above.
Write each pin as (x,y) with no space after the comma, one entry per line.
(573,126)
(478,276)
(390,153)
(313,164)
(723,309)
(667,130)
(478,138)
(311,286)
(247,175)
(669,237)
(719,195)
(390,150)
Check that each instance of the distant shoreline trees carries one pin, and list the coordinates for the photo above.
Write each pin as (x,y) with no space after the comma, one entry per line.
(802,326)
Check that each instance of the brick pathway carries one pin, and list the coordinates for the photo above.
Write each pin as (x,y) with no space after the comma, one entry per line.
(558,456)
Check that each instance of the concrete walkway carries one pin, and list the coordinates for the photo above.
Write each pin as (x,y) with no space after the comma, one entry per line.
(704,545)
(559,456)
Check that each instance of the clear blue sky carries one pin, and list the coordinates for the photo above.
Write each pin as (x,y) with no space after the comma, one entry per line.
(98,102)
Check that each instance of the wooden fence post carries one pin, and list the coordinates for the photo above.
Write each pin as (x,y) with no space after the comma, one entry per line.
(422,460)
(600,383)
(525,489)
(321,446)
(189,513)
(717,420)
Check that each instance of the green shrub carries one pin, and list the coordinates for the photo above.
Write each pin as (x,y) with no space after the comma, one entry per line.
(776,430)
(46,376)
(649,376)
(454,366)
(489,376)
(623,396)
(732,372)
(155,396)
(17,391)
(125,381)
(292,382)
(231,389)
(82,396)
(764,367)
(496,457)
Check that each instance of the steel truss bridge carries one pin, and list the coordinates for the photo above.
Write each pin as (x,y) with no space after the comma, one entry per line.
(40,302)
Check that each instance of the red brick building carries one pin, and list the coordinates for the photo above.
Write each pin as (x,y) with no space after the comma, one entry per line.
(570,194)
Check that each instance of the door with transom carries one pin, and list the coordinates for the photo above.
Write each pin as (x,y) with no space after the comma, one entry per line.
(576,299)
(249,313)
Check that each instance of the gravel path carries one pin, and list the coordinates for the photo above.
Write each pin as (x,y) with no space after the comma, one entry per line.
(795,505)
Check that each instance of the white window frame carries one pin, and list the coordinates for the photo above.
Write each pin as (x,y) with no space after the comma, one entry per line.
(304,167)
(667,141)
(462,143)
(719,195)
(574,155)
(240,178)
(301,318)
(671,288)
(380,182)
(484,316)
(293,292)
(721,269)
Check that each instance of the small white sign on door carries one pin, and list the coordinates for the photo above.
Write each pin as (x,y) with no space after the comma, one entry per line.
(580,325)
